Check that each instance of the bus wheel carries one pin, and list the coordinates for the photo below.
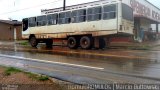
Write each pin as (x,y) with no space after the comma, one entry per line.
(86,42)
(72,43)
(33,41)
(49,43)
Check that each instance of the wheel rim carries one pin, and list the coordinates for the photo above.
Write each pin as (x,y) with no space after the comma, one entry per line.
(72,43)
(85,42)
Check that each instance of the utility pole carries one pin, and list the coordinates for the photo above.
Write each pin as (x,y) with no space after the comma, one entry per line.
(64,5)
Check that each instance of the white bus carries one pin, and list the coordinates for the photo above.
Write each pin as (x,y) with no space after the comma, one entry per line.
(81,25)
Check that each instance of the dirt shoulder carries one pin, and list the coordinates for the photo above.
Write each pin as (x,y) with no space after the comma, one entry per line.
(14,79)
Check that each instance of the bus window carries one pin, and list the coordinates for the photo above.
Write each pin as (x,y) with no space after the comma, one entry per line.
(52,19)
(97,13)
(74,16)
(109,12)
(32,22)
(41,20)
(90,15)
(94,14)
(68,14)
(68,17)
(112,15)
(109,8)
(106,16)
(127,12)
(64,18)
(82,15)
(61,19)
(25,24)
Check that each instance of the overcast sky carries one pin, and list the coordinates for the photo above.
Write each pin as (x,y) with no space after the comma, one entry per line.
(18,9)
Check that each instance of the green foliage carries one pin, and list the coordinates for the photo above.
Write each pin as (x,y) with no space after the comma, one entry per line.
(24,43)
(37,77)
(11,70)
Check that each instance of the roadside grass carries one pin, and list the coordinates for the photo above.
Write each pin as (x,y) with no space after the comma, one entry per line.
(11,70)
(24,43)
(37,77)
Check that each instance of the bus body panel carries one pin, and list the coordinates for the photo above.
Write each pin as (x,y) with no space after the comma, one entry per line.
(127,27)
(96,28)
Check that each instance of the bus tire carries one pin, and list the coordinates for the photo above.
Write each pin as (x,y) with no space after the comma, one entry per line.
(33,41)
(86,42)
(49,43)
(72,43)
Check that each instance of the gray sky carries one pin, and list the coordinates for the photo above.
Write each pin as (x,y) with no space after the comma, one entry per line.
(155,2)
(34,6)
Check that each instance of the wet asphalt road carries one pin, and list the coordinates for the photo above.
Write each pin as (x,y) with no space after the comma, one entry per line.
(81,66)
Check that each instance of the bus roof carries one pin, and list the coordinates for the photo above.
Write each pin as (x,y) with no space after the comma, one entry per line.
(79,6)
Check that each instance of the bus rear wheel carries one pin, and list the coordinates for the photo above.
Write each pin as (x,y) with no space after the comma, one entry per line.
(86,42)
(72,43)
(33,41)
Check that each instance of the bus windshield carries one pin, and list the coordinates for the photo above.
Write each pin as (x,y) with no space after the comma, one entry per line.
(127,12)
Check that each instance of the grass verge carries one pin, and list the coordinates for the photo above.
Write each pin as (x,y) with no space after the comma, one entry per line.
(24,43)
(37,77)
(12,70)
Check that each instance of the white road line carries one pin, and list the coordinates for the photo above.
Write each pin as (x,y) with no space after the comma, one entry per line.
(45,61)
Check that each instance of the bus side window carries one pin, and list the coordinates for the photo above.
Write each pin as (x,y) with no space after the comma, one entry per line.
(94,14)
(90,14)
(32,22)
(52,19)
(25,24)
(61,19)
(68,17)
(41,20)
(109,12)
(74,16)
(81,15)
(97,13)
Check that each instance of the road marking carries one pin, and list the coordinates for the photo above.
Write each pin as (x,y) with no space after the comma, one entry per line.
(45,61)
(70,72)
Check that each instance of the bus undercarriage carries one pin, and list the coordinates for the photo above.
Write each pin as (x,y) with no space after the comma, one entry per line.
(75,41)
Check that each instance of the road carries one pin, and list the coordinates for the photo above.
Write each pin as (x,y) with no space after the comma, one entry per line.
(85,66)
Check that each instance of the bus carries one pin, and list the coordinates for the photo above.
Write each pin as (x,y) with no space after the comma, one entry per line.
(84,25)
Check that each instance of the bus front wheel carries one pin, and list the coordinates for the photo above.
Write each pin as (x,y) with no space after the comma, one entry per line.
(33,41)
(72,43)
